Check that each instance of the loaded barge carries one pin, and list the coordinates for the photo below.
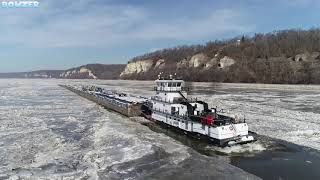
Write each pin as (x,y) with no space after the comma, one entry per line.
(172,107)
(122,103)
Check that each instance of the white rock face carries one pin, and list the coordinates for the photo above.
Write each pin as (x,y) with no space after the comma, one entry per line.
(92,75)
(307,56)
(83,70)
(198,60)
(137,67)
(211,63)
(226,62)
(65,74)
(160,64)
(68,74)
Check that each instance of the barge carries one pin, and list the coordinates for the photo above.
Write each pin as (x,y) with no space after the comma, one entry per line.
(122,103)
(172,107)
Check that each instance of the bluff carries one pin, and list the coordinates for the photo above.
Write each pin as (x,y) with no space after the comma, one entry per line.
(288,56)
(93,71)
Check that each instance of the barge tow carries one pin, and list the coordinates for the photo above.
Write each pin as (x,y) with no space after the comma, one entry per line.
(172,107)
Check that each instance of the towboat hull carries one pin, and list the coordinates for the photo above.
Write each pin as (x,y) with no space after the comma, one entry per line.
(218,142)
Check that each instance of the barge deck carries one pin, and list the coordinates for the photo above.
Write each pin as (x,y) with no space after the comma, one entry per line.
(122,103)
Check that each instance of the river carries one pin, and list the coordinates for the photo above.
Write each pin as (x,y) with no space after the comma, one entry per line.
(49,132)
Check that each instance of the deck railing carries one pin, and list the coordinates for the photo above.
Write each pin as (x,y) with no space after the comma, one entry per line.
(170,89)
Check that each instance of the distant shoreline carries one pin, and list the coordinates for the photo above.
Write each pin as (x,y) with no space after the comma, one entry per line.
(146,80)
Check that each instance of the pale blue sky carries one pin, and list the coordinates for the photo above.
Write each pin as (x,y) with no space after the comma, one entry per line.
(65,33)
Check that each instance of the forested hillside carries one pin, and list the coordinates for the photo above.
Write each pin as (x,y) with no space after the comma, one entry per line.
(288,56)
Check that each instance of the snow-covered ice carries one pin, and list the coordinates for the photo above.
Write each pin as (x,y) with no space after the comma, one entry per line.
(290,113)
(47,132)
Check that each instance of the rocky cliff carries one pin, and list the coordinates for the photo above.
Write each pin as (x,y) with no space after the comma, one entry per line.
(193,65)
(299,68)
(137,67)
(94,71)
(288,56)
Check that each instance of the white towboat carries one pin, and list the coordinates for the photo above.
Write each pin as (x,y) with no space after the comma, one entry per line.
(172,107)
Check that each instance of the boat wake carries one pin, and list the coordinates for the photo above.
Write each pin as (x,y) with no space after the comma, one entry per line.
(255,147)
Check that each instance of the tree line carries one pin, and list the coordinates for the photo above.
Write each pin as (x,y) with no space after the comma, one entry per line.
(261,58)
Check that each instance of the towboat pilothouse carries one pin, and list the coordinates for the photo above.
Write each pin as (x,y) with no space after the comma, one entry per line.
(172,107)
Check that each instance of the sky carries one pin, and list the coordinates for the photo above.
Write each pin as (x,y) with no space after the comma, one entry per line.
(61,34)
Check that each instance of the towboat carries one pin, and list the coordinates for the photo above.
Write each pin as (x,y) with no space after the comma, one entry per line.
(172,107)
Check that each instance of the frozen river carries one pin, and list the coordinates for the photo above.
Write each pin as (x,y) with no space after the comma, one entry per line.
(48,132)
